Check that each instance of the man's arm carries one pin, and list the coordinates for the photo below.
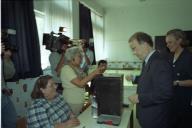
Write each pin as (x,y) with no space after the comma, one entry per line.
(89,57)
(186,82)
(133,79)
(55,62)
(60,64)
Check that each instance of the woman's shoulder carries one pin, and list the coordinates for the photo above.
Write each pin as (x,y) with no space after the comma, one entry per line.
(38,103)
(186,56)
(59,97)
(66,68)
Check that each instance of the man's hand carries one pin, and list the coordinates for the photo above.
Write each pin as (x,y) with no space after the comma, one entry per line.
(71,123)
(7,92)
(100,70)
(129,77)
(134,98)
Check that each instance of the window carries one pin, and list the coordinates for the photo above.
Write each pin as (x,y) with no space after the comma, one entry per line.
(44,52)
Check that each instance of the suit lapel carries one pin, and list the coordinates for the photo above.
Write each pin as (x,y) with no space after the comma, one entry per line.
(146,68)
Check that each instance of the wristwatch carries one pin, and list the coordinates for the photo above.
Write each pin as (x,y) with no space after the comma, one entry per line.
(177,83)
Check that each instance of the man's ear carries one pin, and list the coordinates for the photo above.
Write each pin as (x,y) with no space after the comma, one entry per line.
(145,43)
(179,41)
(55,86)
(42,90)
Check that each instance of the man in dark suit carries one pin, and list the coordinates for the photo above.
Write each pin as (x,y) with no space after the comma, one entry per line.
(154,91)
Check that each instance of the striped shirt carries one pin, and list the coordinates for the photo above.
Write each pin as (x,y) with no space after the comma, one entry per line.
(45,114)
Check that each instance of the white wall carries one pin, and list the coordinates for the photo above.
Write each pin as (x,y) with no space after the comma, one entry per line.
(155,19)
(20,98)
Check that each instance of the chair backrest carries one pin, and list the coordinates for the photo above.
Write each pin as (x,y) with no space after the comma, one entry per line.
(21,123)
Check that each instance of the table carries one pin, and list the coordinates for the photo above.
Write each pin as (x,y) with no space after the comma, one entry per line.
(87,121)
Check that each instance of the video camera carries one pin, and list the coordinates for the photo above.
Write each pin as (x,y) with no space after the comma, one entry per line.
(5,39)
(54,41)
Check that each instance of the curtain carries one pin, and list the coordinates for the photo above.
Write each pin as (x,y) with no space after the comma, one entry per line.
(85,26)
(19,15)
(97,24)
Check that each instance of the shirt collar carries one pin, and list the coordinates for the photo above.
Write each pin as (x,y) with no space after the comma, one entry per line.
(148,56)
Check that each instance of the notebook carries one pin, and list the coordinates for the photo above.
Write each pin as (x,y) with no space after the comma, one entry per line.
(109,119)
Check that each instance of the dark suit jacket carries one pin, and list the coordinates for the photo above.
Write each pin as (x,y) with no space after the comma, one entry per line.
(155,93)
(182,110)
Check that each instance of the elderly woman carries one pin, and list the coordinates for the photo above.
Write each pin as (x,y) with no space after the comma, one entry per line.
(74,79)
(49,110)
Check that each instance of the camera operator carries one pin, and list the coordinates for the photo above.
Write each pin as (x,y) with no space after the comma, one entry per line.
(8,66)
(8,71)
(88,56)
(57,60)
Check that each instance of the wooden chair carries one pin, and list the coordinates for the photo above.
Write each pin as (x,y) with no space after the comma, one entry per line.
(21,123)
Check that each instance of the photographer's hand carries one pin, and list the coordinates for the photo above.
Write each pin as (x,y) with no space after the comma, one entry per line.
(84,49)
(2,48)
(7,92)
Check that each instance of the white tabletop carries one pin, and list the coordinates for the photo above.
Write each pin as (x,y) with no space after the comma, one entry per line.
(88,122)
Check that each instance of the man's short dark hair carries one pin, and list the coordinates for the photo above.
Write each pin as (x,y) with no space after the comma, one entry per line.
(142,37)
(102,62)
